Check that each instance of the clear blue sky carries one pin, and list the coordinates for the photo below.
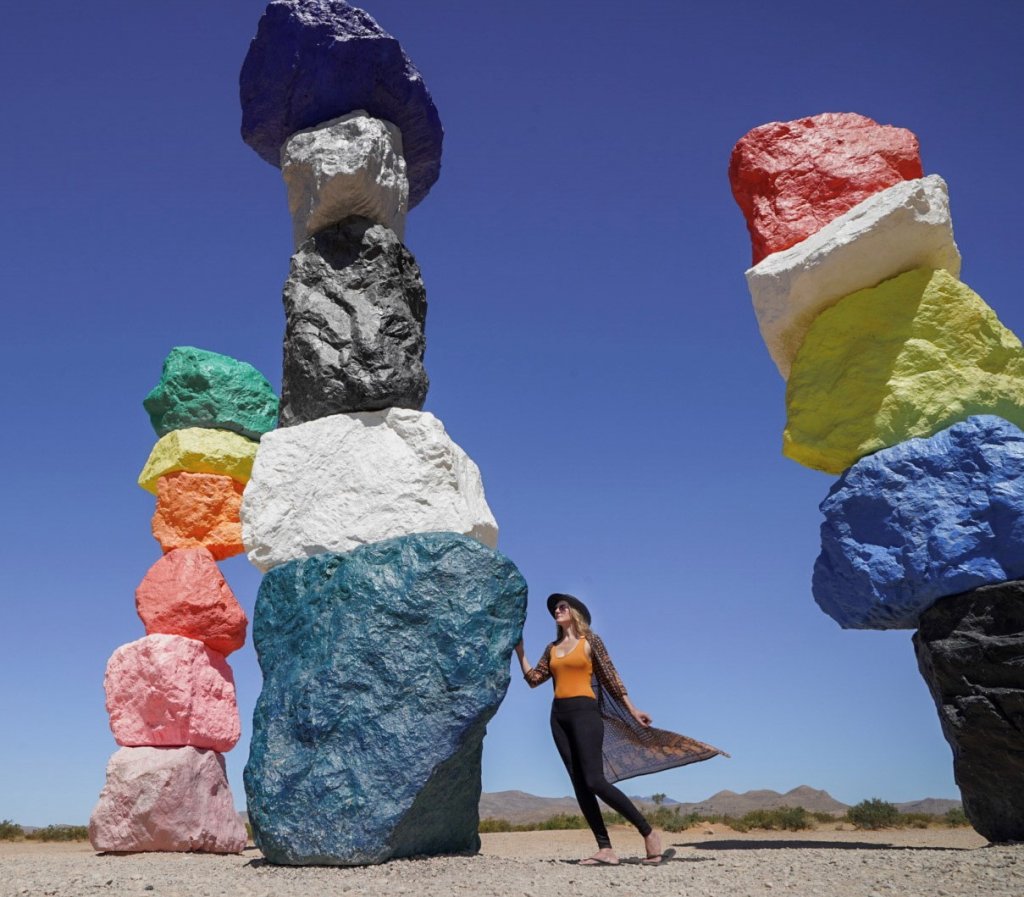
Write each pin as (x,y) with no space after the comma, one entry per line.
(590,344)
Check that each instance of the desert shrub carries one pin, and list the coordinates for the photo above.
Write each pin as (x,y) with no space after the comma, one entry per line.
(873,814)
(10,831)
(60,833)
(496,825)
(915,820)
(822,816)
(956,817)
(792,819)
(562,821)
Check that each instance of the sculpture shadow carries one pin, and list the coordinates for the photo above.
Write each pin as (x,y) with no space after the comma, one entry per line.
(803,845)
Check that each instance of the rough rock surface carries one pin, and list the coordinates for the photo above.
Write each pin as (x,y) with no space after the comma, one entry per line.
(314,60)
(199,388)
(904,227)
(922,520)
(185,594)
(199,510)
(381,669)
(906,358)
(170,691)
(355,310)
(199,450)
(339,482)
(174,799)
(792,178)
(352,165)
(970,650)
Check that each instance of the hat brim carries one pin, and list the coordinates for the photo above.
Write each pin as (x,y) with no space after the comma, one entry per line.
(572,601)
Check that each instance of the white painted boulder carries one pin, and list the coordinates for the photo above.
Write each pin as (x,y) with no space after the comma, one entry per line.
(342,481)
(175,799)
(904,227)
(352,165)
(171,691)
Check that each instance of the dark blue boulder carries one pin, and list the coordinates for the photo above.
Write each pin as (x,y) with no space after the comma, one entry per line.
(922,520)
(314,60)
(381,668)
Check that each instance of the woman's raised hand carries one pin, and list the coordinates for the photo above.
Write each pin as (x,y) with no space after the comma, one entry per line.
(643,718)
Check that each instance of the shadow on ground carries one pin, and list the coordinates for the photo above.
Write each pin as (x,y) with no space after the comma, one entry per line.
(802,845)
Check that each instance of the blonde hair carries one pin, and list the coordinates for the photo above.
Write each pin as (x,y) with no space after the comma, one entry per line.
(582,627)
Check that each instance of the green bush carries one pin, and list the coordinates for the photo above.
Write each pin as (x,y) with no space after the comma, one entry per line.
(10,831)
(562,821)
(60,833)
(821,816)
(873,814)
(955,817)
(495,825)
(792,819)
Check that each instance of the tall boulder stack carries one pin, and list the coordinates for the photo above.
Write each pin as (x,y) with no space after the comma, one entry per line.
(901,379)
(385,619)
(171,694)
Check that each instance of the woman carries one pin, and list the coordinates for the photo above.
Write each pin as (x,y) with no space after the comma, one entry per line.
(589,692)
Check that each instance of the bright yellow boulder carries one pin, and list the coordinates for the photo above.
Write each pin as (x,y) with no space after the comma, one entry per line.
(906,358)
(199,450)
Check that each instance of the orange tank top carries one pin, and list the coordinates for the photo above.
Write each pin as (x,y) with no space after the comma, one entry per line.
(572,673)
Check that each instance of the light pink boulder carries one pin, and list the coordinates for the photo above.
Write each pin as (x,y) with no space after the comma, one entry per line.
(171,691)
(166,799)
(184,594)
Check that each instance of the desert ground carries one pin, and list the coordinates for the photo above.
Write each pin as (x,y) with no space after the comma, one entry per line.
(711,860)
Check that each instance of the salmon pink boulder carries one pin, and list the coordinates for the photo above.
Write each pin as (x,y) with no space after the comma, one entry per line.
(199,510)
(171,799)
(185,594)
(171,691)
(792,178)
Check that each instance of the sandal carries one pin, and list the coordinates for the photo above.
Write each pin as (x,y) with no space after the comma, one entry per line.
(658,858)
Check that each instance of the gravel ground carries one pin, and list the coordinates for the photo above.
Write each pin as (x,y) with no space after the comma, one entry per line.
(711,861)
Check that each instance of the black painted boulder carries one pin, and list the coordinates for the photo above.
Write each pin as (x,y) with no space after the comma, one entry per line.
(314,60)
(970,650)
(381,668)
(355,310)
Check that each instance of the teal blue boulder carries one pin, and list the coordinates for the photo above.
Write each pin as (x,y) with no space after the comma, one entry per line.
(199,388)
(381,668)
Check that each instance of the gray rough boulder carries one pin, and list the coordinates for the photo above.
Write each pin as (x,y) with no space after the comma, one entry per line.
(381,668)
(970,650)
(355,310)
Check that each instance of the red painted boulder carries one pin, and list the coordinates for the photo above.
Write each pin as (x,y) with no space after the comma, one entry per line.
(184,594)
(166,799)
(792,178)
(199,510)
(170,691)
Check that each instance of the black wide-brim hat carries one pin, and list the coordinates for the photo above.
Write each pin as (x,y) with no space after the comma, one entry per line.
(572,601)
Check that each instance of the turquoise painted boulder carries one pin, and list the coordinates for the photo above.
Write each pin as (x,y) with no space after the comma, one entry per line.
(381,668)
(199,388)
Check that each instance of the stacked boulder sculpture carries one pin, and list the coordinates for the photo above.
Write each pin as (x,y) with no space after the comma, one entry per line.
(901,379)
(385,618)
(171,694)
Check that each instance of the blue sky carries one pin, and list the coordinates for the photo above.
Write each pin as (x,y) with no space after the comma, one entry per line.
(590,344)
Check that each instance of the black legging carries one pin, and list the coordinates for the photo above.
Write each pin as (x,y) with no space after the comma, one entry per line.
(579,733)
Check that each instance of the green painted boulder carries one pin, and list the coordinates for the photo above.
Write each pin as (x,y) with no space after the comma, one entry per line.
(204,389)
(906,358)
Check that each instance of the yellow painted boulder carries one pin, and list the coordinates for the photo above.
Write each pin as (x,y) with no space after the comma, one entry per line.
(199,450)
(906,358)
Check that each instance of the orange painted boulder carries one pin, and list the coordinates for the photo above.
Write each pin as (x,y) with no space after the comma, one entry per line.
(169,691)
(792,178)
(184,594)
(199,510)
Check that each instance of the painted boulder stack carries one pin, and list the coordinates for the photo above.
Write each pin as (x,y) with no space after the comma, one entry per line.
(901,379)
(171,694)
(386,618)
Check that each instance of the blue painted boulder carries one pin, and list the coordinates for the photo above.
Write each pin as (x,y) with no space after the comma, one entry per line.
(922,520)
(315,60)
(381,668)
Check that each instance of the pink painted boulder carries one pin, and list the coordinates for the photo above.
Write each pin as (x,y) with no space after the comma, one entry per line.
(166,799)
(171,691)
(184,594)
(792,178)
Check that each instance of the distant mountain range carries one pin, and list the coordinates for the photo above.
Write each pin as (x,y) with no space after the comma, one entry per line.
(520,807)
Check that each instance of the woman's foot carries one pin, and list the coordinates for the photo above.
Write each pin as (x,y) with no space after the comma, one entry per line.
(604,857)
(652,844)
